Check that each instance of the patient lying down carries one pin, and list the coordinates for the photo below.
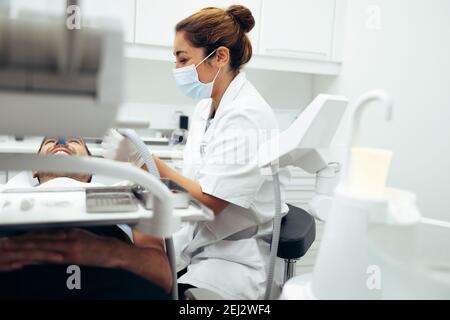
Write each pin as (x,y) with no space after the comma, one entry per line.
(112,263)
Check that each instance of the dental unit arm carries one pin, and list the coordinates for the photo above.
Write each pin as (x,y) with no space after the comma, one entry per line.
(297,146)
(300,146)
(327,177)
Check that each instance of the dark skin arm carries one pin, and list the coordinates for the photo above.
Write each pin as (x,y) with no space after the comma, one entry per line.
(145,258)
(148,259)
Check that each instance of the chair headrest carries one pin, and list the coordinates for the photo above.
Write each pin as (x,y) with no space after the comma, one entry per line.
(22,180)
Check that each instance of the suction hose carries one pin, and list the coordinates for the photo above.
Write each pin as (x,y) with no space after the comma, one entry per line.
(275,233)
(153,169)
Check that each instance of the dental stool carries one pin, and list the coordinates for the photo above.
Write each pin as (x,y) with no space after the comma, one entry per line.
(298,232)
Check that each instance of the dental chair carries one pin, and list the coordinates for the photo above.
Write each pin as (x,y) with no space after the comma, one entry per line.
(23,179)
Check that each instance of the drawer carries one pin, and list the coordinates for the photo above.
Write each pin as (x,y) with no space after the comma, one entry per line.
(3,177)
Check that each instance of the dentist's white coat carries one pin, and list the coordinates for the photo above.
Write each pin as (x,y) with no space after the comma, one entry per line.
(230,254)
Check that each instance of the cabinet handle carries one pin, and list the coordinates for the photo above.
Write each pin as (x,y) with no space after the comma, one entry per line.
(275,50)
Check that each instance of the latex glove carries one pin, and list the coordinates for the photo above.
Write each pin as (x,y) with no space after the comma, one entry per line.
(117,147)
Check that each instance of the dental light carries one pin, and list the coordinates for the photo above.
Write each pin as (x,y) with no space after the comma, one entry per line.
(298,146)
(55,81)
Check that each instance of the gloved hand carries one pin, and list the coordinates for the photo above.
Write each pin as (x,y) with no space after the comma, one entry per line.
(117,147)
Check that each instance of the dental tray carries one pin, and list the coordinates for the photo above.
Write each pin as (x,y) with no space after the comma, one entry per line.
(125,199)
(113,199)
(39,208)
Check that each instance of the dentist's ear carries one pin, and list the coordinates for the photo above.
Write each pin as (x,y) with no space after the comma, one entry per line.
(222,57)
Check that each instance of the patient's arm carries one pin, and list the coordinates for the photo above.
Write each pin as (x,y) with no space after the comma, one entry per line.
(146,258)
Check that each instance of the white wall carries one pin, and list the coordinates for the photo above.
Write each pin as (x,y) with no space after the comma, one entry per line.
(152,82)
(409,56)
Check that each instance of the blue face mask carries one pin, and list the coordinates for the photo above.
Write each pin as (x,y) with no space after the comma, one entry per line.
(190,84)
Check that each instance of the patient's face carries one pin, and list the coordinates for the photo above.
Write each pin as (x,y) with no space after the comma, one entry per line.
(71,147)
(62,147)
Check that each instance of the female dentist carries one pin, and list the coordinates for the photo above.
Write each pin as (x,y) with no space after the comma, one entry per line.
(230,254)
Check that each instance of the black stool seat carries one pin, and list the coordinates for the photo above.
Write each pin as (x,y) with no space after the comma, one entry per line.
(298,232)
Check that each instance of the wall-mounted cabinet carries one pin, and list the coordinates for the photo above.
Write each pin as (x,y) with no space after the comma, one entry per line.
(52,7)
(123,10)
(156,19)
(298,29)
(290,35)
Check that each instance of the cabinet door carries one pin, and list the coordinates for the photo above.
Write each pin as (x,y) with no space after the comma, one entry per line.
(123,10)
(156,19)
(3,177)
(298,28)
(52,7)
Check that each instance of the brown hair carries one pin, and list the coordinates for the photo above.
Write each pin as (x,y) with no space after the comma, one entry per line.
(211,28)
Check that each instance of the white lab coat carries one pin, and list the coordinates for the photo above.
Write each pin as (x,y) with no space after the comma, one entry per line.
(230,254)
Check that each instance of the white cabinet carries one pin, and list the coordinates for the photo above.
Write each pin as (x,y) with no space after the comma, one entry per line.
(52,7)
(122,10)
(298,28)
(3,177)
(156,19)
(290,35)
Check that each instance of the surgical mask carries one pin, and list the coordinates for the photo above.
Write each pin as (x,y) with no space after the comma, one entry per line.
(188,81)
